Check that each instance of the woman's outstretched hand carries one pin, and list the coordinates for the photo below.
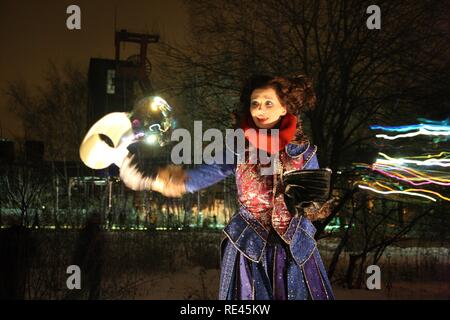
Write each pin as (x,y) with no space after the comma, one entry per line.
(169,181)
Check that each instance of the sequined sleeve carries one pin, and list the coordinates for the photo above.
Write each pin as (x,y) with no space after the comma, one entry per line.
(206,175)
(312,163)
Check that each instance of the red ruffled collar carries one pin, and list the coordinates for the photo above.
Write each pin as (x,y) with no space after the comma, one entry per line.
(263,139)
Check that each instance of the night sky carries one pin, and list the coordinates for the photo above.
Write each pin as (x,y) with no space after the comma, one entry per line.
(33,33)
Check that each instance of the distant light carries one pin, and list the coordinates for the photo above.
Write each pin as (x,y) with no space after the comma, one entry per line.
(159,104)
(152,139)
(154,105)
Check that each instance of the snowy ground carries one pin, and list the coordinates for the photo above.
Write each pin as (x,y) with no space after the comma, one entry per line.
(409,273)
(162,266)
(199,283)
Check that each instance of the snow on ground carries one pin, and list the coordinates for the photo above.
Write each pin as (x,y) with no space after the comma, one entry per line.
(198,283)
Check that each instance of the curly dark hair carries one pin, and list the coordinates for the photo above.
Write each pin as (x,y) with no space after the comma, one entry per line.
(296,93)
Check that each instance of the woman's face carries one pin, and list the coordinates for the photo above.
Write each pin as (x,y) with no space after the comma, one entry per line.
(265,108)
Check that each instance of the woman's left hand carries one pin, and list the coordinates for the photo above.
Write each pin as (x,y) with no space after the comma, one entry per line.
(316,211)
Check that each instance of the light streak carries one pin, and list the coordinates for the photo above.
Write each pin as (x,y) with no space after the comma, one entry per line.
(443,122)
(397,192)
(401,161)
(421,131)
(399,168)
(425,124)
(416,190)
(443,153)
(418,176)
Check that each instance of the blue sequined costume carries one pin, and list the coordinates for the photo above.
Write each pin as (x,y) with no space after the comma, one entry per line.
(266,253)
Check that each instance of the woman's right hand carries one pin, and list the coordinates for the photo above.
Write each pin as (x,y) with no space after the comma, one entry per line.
(132,177)
(170,181)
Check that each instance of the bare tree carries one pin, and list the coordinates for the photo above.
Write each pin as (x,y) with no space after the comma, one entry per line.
(369,227)
(23,186)
(361,76)
(53,112)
